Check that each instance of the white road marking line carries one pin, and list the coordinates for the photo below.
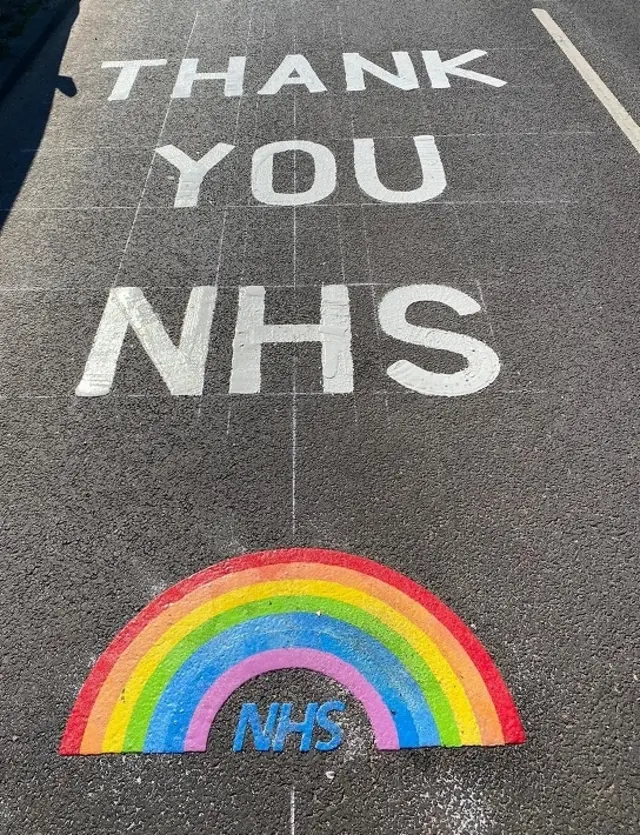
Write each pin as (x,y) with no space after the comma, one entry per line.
(66,149)
(395,206)
(225,395)
(138,208)
(294,449)
(623,119)
(473,271)
(294,404)
(292,809)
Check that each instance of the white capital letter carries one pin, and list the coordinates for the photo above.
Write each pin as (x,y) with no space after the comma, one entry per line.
(192,172)
(324,177)
(438,69)
(181,368)
(188,73)
(434,181)
(333,332)
(355,66)
(305,74)
(483,365)
(128,73)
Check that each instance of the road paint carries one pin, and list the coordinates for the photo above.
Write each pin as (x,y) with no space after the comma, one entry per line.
(271,733)
(324,173)
(439,70)
(333,333)
(612,105)
(188,73)
(483,364)
(183,366)
(296,70)
(355,66)
(433,183)
(422,676)
(128,74)
(193,172)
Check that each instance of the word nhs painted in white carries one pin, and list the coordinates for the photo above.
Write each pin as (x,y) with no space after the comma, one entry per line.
(295,70)
(271,733)
(183,366)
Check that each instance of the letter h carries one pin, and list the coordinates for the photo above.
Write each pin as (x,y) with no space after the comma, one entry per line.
(286,726)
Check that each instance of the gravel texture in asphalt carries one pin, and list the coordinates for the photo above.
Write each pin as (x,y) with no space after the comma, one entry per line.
(515,503)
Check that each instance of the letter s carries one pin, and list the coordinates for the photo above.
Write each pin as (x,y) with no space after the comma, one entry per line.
(483,364)
(323,721)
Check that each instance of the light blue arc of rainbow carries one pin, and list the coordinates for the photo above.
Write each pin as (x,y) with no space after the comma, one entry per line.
(169,724)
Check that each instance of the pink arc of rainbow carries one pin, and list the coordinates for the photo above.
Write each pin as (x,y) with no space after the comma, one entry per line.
(383,726)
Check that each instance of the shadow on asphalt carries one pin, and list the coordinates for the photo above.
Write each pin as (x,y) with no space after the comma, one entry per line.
(25,111)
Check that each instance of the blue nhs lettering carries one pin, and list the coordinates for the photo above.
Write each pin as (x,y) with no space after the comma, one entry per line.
(270,733)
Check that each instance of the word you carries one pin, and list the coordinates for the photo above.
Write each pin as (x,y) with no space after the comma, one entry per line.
(295,70)
(323,184)
(271,735)
(182,366)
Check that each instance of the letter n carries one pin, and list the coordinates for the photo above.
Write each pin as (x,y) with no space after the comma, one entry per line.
(249,720)
(181,367)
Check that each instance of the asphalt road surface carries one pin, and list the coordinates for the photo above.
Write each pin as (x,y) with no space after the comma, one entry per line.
(453,245)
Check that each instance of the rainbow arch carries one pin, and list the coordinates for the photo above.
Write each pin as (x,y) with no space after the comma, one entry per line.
(421,675)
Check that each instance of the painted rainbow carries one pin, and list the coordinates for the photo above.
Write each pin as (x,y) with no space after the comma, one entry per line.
(421,675)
